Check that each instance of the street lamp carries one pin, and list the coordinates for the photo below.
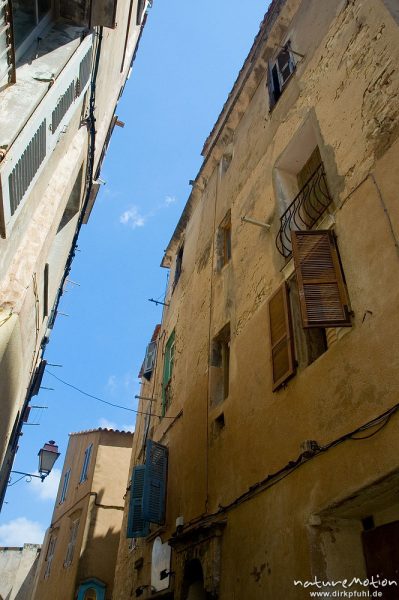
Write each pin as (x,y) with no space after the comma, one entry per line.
(47,457)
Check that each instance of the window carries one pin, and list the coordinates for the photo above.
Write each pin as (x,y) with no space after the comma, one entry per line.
(50,555)
(393,7)
(178,267)
(149,360)
(167,372)
(72,542)
(28,17)
(280,71)
(366,522)
(302,190)
(318,301)
(65,486)
(140,11)
(148,491)
(7,54)
(86,462)
(224,241)
(220,366)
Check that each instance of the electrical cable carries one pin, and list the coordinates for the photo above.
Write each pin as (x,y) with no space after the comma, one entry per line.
(74,387)
(274,478)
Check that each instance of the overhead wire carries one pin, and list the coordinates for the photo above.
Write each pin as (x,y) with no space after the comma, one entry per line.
(74,387)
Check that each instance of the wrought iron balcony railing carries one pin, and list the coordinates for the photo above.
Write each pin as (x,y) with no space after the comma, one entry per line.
(305,210)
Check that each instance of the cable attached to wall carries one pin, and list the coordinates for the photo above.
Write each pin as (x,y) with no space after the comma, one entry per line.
(74,387)
(274,478)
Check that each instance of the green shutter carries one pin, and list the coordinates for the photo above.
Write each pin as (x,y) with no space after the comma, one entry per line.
(167,369)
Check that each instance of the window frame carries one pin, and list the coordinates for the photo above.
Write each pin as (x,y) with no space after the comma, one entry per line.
(86,464)
(178,265)
(276,88)
(168,370)
(50,555)
(73,534)
(40,26)
(224,241)
(65,486)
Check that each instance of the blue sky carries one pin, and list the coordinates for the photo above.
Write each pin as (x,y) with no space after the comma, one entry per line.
(188,59)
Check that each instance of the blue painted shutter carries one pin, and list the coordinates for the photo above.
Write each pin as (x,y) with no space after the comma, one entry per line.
(136,525)
(154,496)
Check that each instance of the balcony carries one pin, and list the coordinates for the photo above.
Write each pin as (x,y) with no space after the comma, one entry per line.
(305,210)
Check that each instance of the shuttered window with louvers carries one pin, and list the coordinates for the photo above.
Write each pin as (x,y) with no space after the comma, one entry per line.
(7,55)
(136,525)
(149,360)
(281,338)
(27,166)
(154,495)
(322,291)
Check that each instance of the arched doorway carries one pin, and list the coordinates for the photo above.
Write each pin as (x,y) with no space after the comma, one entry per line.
(91,589)
(193,584)
(90,594)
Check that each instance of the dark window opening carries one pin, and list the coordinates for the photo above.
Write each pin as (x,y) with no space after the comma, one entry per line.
(179,262)
(224,241)
(220,366)
(280,71)
(140,10)
(26,16)
(381,553)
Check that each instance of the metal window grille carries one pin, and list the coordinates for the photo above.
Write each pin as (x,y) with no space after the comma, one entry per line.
(27,166)
(63,104)
(304,211)
(84,70)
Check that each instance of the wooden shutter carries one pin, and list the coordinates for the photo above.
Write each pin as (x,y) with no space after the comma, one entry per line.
(136,525)
(281,338)
(154,495)
(149,360)
(322,292)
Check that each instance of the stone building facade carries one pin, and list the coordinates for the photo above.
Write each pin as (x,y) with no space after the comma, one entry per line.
(17,571)
(63,68)
(81,544)
(270,455)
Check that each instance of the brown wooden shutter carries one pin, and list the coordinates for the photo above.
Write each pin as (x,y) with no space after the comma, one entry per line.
(281,338)
(322,292)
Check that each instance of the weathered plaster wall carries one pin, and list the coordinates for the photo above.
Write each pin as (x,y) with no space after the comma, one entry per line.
(17,571)
(343,96)
(98,503)
(34,240)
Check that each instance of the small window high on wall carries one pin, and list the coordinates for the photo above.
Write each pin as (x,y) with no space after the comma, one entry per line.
(280,71)
(28,17)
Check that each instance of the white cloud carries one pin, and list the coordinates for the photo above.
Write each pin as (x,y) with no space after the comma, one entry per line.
(46,490)
(105,424)
(127,428)
(21,531)
(132,217)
